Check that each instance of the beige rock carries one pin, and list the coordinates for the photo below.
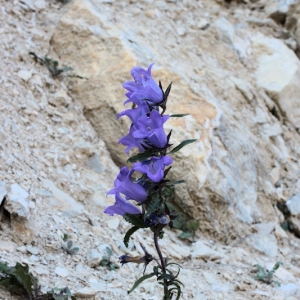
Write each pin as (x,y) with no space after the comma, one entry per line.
(7,246)
(221,184)
(279,232)
(278,73)
(24,74)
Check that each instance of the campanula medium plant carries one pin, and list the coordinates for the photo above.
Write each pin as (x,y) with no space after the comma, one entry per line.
(144,202)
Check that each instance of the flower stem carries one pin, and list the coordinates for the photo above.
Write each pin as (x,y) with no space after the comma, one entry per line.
(162,261)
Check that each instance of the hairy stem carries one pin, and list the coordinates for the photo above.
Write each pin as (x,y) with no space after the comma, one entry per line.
(162,261)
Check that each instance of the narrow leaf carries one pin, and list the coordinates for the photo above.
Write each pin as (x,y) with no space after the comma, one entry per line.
(139,281)
(128,234)
(182,144)
(135,220)
(66,69)
(165,277)
(178,115)
(171,183)
(140,156)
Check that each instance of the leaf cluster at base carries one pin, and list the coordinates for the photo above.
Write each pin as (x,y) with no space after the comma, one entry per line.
(267,276)
(18,280)
(106,262)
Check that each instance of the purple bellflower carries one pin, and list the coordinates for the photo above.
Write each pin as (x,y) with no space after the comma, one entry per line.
(130,141)
(121,207)
(152,129)
(124,185)
(137,113)
(143,88)
(154,168)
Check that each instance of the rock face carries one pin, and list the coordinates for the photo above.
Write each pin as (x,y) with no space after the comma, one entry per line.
(234,69)
(279,74)
(293,205)
(229,179)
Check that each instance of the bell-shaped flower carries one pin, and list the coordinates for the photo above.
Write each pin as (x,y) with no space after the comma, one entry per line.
(124,185)
(130,141)
(136,113)
(121,207)
(152,129)
(154,168)
(143,88)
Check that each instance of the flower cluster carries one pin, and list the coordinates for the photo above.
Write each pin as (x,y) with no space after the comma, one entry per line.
(146,133)
(143,193)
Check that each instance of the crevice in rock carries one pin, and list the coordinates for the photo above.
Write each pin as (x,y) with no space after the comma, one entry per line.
(287,224)
(103,120)
(5,217)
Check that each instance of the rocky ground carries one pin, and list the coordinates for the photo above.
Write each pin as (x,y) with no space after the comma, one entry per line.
(235,69)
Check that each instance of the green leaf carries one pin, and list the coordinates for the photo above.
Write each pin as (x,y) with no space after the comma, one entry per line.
(277,282)
(128,234)
(260,268)
(181,145)
(153,206)
(178,115)
(108,251)
(193,225)
(5,283)
(66,69)
(65,237)
(171,183)
(69,244)
(165,277)
(277,265)
(104,262)
(185,235)
(139,281)
(135,220)
(172,263)
(3,267)
(140,156)
(16,289)
(75,250)
(26,280)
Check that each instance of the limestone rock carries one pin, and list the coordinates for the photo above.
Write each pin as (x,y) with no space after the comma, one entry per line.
(277,10)
(223,186)
(32,250)
(226,33)
(24,74)
(201,250)
(93,258)
(264,243)
(278,73)
(7,246)
(62,272)
(85,292)
(94,162)
(3,191)
(293,205)
(17,202)
(61,200)
(289,290)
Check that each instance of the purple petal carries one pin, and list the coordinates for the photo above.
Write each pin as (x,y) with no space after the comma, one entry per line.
(121,207)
